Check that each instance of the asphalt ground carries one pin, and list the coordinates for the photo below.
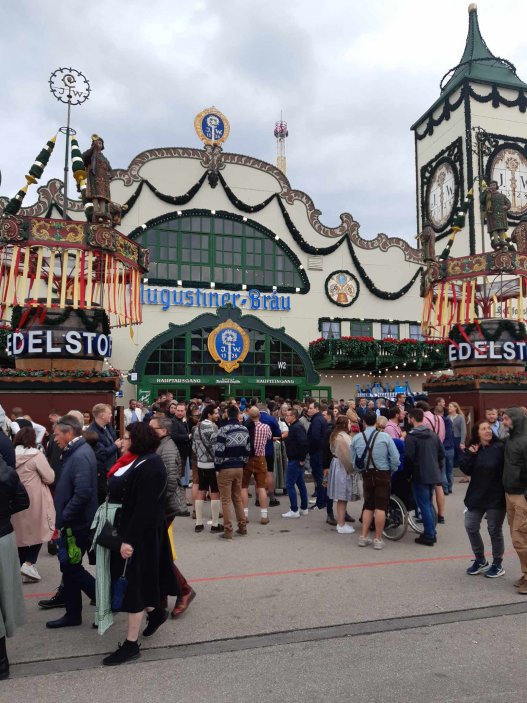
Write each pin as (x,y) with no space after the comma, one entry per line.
(295,611)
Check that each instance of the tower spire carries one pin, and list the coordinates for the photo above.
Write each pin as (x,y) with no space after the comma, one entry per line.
(478,63)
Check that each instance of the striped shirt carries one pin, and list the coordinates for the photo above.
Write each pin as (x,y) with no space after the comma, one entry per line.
(262,433)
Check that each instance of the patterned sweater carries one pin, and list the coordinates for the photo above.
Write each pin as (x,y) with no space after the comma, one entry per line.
(232,447)
(203,439)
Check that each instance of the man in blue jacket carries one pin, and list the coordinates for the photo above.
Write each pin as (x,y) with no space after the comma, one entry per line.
(75,505)
(315,437)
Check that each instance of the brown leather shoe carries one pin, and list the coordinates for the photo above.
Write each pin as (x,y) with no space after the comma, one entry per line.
(183,603)
(264,521)
(522,590)
(520,582)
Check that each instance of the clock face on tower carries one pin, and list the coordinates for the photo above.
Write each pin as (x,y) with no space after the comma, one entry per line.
(440,195)
(509,169)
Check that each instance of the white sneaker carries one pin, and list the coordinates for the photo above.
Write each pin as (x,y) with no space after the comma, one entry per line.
(345,530)
(378,544)
(291,513)
(364,541)
(30,572)
(312,501)
(304,512)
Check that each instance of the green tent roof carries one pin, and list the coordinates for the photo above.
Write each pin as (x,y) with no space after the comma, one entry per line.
(479,64)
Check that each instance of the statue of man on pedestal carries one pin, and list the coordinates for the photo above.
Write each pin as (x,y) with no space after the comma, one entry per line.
(494,207)
(427,239)
(98,174)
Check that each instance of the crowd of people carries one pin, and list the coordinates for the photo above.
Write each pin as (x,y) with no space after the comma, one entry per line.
(81,490)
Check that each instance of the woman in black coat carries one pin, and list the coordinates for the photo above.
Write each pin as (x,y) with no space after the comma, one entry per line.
(142,526)
(483,462)
(13,499)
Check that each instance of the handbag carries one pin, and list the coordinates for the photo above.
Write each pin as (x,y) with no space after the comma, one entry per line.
(119,590)
(108,537)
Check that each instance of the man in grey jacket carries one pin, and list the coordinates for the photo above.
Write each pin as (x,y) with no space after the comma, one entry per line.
(168,451)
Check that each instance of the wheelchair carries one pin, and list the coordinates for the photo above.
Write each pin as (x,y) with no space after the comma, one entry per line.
(402,509)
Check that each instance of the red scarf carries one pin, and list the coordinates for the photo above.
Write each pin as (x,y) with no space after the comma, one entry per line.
(126,459)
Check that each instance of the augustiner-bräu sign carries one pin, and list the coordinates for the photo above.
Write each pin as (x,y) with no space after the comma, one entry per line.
(70,343)
(491,351)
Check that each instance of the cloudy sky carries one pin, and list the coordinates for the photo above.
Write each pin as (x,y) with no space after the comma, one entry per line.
(350,76)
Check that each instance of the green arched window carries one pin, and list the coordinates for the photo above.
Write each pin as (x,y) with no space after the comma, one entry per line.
(188,354)
(199,248)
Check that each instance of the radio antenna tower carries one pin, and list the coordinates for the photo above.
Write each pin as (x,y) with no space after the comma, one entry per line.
(281,134)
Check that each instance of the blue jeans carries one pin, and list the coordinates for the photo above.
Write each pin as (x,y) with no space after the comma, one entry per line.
(317,473)
(423,493)
(448,473)
(295,477)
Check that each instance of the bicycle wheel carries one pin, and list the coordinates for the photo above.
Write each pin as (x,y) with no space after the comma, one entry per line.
(396,520)
(418,526)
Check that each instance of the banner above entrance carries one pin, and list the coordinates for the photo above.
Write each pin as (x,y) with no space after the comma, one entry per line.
(198,297)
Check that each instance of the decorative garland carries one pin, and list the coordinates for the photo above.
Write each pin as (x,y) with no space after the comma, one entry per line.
(370,285)
(307,248)
(90,323)
(46,373)
(512,378)
(467,91)
(177,199)
(457,223)
(239,203)
(517,331)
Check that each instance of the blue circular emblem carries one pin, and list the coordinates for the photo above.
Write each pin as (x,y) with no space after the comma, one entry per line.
(229,344)
(212,126)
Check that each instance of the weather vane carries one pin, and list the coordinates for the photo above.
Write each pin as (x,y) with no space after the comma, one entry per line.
(73,88)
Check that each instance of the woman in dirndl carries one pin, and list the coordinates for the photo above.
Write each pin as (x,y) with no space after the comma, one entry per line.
(13,499)
(343,480)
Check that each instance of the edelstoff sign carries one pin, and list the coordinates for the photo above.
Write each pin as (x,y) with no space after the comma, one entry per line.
(252,299)
(490,351)
(45,343)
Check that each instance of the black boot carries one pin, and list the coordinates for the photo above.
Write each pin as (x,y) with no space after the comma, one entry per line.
(4,662)
(56,601)
(154,619)
(125,652)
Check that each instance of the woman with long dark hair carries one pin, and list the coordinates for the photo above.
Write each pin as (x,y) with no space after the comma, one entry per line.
(34,526)
(343,480)
(139,483)
(483,462)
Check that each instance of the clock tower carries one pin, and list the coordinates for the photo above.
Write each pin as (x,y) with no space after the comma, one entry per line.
(477,128)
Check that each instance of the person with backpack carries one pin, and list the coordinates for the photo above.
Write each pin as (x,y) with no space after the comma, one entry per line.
(375,456)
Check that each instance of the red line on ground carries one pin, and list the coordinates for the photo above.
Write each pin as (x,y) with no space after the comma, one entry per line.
(337,567)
